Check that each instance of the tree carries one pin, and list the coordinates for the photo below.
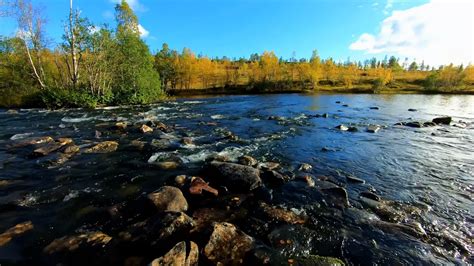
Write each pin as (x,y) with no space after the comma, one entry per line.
(269,66)
(164,65)
(413,66)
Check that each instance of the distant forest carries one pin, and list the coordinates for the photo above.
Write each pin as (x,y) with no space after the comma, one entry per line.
(97,65)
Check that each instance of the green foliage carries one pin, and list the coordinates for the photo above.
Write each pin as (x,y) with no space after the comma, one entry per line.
(54,98)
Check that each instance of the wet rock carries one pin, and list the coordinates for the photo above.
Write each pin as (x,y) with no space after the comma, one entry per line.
(446,120)
(227,245)
(338,101)
(282,214)
(169,198)
(274,177)
(163,144)
(173,223)
(370,195)
(277,118)
(51,147)
(237,177)
(187,141)
(412,110)
(308,179)
(198,185)
(84,240)
(248,160)
(167,165)
(342,127)
(305,167)
(352,129)
(338,195)
(315,260)
(389,210)
(103,147)
(177,256)
(146,129)
(180,180)
(373,128)
(429,124)
(138,145)
(415,124)
(413,229)
(292,241)
(121,125)
(72,149)
(345,105)
(327,149)
(32,141)
(325,115)
(15,231)
(165,128)
(353,179)
(205,217)
(268,166)
(374,108)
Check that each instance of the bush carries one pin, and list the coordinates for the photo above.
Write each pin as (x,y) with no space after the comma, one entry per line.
(65,98)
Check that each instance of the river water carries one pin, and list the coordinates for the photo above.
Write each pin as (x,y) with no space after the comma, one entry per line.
(430,169)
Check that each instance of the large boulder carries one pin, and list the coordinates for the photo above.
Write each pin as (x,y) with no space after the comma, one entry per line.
(177,256)
(228,245)
(237,177)
(169,198)
(446,120)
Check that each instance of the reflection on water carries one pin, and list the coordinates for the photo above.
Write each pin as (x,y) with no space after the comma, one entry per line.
(429,168)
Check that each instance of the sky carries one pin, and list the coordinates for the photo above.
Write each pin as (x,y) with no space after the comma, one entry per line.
(436,31)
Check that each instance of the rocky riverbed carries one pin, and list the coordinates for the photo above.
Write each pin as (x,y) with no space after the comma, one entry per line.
(274,179)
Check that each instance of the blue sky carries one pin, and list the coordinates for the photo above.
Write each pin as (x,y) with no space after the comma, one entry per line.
(237,28)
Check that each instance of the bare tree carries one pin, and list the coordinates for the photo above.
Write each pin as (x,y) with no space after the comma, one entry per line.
(30,30)
(71,33)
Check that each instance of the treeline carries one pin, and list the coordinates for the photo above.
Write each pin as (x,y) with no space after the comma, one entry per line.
(186,71)
(93,64)
(97,65)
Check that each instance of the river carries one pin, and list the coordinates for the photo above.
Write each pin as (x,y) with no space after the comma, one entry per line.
(424,176)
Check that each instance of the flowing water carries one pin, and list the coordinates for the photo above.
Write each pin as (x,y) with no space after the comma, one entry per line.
(429,168)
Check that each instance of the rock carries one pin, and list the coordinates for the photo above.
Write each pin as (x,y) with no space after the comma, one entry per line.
(205,217)
(325,115)
(345,105)
(338,101)
(198,185)
(177,256)
(14,231)
(121,125)
(103,147)
(169,198)
(352,129)
(282,214)
(173,223)
(162,144)
(370,195)
(374,108)
(373,128)
(52,146)
(32,141)
(138,145)
(412,110)
(274,177)
(161,126)
(275,117)
(339,196)
(413,124)
(429,124)
(353,179)
(269,166)
(446,120)
(71,243)
(316,260)
(167,165)
(187,141)
(305,167)
(146,129)
(180,180)
(327,149)
(227,245)
(342,127)
(237,177)
(308,179)
(248,160)
(72,149)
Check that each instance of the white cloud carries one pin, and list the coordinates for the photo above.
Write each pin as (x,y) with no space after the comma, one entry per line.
(134,4)
(439,32)
(388,7)
(143,32)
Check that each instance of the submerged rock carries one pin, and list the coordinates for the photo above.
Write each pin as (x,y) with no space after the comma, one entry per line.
(353,179)
(177,256)
(167,165)
(413,124)
(146,129)
(342,127)
(169,198)
(269,166)
(84,240)
(14,231)
(228,245)
(282,214)
(103,147)
(316,260)
(51,146)
(374,108)
(373,128)
(370,195)
(446,120)
(305,167)
(274,177)
(352,129)
(237,177)
(247,160)
(339,196)
(412,110)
